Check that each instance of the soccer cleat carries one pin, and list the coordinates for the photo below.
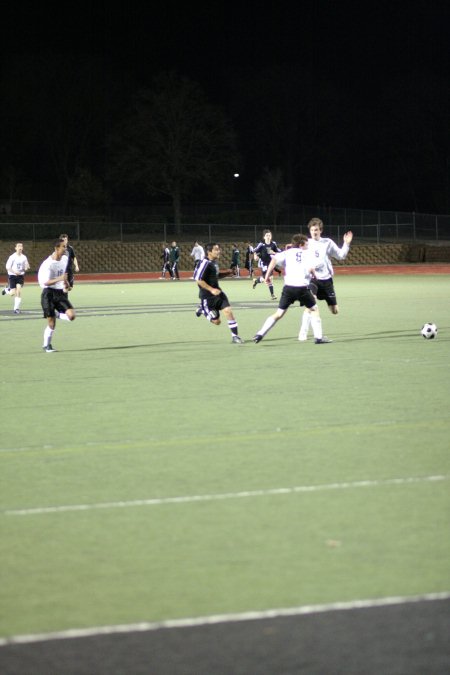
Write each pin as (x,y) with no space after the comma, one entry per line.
(198,311)
(257,338)
(255,283)
(274,297)
(4,291)
(17,311)
(322,341)
(48,348)
(237,340)
(302,337)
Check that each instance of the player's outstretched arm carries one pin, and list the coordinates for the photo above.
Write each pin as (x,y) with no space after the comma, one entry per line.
(348,236)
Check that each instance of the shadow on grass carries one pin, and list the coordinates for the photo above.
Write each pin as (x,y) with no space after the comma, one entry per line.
(351,337)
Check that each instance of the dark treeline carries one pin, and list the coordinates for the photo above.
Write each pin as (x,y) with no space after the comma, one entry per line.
(74,130)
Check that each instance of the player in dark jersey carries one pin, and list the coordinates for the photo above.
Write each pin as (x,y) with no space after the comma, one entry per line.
(249,259)
(212,299)
(235,260)
(72,263)
(166,268)
(264,253)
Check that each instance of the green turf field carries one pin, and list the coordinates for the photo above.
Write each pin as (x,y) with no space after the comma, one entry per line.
(152,470)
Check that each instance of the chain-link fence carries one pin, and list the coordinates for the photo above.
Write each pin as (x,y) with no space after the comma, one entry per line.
(207,223)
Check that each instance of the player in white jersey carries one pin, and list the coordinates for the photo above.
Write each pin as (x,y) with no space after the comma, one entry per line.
(299,268)
(322,285)
(52,278)
(16,266)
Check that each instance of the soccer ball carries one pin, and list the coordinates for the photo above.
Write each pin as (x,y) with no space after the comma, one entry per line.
(429,331)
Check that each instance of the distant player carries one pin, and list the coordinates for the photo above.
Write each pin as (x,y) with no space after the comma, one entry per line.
(166,268)
(52,278)
(198,253)
(323,249)
(249,252)
(174,259)
(235,260)
(264,253)
(212,299)
(16,266)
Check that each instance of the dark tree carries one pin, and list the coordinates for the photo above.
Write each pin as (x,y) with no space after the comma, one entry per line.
(55,113)
(272,194)
(174,143)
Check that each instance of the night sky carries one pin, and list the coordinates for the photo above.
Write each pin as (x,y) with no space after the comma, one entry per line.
(366,64)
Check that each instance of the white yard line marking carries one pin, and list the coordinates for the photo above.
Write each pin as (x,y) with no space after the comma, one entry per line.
(223,618)
(270,492)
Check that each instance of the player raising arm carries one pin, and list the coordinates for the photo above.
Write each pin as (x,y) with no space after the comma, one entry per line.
(323,249)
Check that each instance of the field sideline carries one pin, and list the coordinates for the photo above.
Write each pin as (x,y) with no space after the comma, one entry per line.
(115,277)
(175,504)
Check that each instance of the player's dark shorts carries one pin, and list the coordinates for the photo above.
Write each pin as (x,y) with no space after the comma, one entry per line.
(53,299)
(214,303)
(291,294)
(324,290)
(15,279)
(264,269)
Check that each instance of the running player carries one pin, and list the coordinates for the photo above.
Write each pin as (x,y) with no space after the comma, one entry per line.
(16,266)
(212,299)
(264,253)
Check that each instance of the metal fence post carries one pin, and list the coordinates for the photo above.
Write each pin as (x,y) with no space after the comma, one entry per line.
(414,225)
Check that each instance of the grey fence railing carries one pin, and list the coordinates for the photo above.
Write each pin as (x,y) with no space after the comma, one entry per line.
(367,225)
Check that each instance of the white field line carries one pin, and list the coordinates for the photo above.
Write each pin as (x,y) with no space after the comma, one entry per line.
(270,492)
(223,618)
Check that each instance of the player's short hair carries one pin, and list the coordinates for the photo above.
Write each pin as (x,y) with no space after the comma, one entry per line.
(210,245)
(298,240)
(267,232)
(58,243)
(315,221)
(63,236)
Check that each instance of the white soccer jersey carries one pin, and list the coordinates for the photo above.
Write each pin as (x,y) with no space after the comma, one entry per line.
(50,269)
(323,250)
(17,264)
(198,253)
(296,262)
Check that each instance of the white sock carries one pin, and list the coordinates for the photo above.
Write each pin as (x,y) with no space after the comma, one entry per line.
(48,332)
(316,324)
(306,322)
(17,302)
(268,324)
(63,317)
